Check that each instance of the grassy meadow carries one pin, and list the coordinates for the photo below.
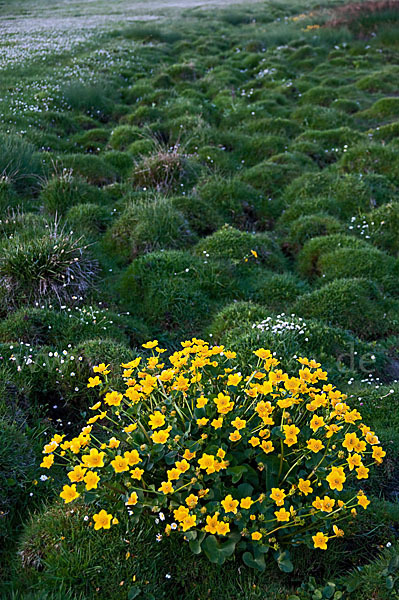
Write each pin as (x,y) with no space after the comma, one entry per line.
(173,170)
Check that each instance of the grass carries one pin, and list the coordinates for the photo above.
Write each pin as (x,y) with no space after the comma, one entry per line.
(216,169)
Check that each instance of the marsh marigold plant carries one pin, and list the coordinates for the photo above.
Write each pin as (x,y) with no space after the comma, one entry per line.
(229,462)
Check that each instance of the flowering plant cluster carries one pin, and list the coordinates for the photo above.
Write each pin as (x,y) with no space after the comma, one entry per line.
(255,463)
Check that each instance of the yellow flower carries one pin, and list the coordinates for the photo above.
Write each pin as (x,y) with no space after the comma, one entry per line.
(188,455)
(182,466)
(305,487)
(256,535)
(315,445)
(201,402)
(350,441)
(207,462)
(69,493)
(362,472)
(91,480)
(113,443)
(160,437)
(327,504)
(254,441)
(77,474)
(202,422)
(217,423)
(234,379)
(95,406)
(156,420)
(354,460)
(102,520)
(93,381)
(132,500)
(173,474)
(113,398)
(278,496)
(220,453)
(120,464)
(316,423)
(189,522)
(336,478)
(47,461)
(166,487)
(267,447)
(246,502)
(181,513)
(94,459)
(239,423)
(102,368)
(363,500)
(136,473)
(212,523)
(191,501)
(132,457)
(222,528)
(378,454)
(262,353)
(338,532)
(229,504)
(235,436)
(282,515)
(320,540)
(150,345)
(132,364)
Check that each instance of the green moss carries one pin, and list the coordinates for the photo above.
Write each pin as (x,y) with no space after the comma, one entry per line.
(122,162)
(372,158)
(91,167)
(93,140)
(234,201)
(344,302)
(381,227)
(322,96)
(165,170)
(339,195)
(384,107)
(313,249)
(235,315)
(307,227)
(89,219)
(123,136)
(174,290)
(370,263)
(277,291)
(63,191)
(235,245)
(320,117)
(146,226)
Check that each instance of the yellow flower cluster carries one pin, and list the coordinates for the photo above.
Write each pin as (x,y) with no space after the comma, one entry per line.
(195,436)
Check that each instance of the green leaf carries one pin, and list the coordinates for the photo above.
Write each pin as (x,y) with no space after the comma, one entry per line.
(328,590)
(253,562)
(170,457)
(283,561)
(393,564)
(389,582)
(244,490)
(195,546)
(133,593)
(236,472)
(217,552)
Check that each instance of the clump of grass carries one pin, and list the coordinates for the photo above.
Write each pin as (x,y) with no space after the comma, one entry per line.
(165,169)
(148,225)
(19,162)
(54,264)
